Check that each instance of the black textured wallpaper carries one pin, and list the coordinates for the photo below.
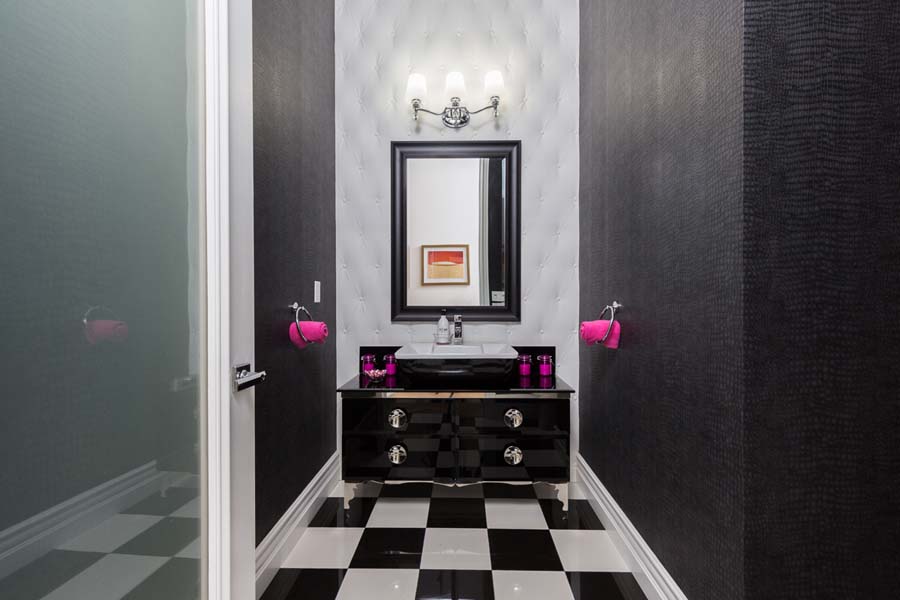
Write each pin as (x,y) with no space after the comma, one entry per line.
(822,299)
(660,199)
(293,98)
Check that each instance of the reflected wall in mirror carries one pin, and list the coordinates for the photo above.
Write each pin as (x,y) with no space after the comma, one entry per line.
(455,235)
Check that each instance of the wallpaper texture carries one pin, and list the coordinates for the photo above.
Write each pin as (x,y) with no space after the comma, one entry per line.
(535,44)
(661,233)
(293,106)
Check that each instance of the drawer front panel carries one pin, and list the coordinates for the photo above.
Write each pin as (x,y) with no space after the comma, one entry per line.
(416,416)
(518,417)
(490,458)
(386,457)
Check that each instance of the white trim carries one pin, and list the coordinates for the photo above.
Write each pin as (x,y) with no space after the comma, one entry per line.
(272,551)
(24,542)
(217,481)
(652,576)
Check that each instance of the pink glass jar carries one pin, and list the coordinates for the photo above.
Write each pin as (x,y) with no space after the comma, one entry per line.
(524,364)
(545,365)
(390,364)
(368,362)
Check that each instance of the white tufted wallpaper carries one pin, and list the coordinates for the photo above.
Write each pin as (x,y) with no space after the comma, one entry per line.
(535,44)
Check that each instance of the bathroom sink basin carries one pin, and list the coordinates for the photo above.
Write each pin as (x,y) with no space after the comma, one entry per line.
(428,351)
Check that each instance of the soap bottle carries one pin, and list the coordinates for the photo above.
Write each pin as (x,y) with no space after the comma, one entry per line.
(443,328)
(457,329)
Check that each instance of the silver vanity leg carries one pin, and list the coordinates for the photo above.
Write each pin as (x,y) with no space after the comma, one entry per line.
(348,494)
(562,490)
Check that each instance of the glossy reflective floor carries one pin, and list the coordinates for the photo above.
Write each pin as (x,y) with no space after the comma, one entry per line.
(481,542)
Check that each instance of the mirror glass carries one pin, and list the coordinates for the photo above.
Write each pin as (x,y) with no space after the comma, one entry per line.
(456,228)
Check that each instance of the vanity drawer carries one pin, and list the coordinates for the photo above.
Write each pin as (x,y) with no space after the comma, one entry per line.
(387,457)
(490,458)
(420,415)
(523,416)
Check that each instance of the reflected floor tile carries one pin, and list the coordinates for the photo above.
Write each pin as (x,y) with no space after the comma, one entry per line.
(463,549)
(522,550)
(400,512)
(389,549)
(379,584)
(192,550)
(110,578)
(157,504)
(587,551)
(514,514)
(333,514)
(605,586)
(324,548)
(406,490)
(305,584)
(166,538)
(178,579)
(112,533)
(45,574)
(457,513)
(455,585)
(579,516)
(508,490)
(191,510)
(462,491)
(529,585)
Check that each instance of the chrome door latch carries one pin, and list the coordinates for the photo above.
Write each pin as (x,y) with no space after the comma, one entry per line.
(245,378)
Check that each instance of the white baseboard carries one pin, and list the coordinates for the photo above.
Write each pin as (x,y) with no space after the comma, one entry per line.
(26,541)
(652,576)
(274,548)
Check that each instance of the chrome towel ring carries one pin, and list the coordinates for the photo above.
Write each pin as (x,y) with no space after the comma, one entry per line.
(612,308)
(297,308)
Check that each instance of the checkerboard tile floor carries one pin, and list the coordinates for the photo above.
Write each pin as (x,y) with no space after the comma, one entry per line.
(482,542)
(150,551)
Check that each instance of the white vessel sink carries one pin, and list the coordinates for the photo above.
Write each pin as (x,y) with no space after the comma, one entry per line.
(425,351)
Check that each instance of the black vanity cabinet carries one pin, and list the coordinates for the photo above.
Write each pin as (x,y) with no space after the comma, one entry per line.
(514,434)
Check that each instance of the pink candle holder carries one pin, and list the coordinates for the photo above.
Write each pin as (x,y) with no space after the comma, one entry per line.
(545,365)
(368,362)
(390,364)
(524,364)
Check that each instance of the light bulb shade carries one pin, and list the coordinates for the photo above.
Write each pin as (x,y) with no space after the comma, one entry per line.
(456,85)
(416,87)
(493,84)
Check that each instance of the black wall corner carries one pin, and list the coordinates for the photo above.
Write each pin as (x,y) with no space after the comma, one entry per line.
(294,225)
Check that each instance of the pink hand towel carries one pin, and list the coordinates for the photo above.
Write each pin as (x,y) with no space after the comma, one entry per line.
(593,331)
(105,330)
(315,331)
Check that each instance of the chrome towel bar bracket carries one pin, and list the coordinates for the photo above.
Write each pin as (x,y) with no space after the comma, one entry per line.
(297,308)
(612,308)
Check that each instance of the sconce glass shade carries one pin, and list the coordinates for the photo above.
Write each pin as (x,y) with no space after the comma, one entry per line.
(493,84)
(456,85)
(416,87)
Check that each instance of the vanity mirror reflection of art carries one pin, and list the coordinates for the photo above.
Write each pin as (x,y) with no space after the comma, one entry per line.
(456,230)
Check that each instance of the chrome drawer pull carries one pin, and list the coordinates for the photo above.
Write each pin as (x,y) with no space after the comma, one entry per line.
(513,455)
(513,418)
(397,454)
(397,418)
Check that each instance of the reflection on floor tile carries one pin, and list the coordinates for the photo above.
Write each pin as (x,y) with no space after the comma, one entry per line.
(461,491)
(305,584)
(504,490)
(455,585)
(400,512)
(587,551)
(45,574)
(324,548)
(191,510)
(333,514)
(514,514)
(192,550)
(389,549)
(162,505)
(605,586)
(166,538)
(379,584)
(579,516)
(463,549)
(112,533)
(110,578)
(457,513)
(528,585)
(407,490)
(178,579)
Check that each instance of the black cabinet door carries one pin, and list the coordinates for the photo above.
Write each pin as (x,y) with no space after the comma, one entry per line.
(397,457)
(402,416)
(518,417)
(499,458)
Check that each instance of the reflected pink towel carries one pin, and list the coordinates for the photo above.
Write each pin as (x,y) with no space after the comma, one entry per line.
(315,331)
(593,331)
(105,330)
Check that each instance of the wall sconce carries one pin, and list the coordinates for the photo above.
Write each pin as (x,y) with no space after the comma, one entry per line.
(456,115)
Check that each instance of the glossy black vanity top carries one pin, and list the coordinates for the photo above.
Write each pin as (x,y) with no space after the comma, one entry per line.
(512,385)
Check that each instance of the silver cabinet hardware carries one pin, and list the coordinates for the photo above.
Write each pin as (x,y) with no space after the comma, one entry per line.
(513,455)
(513,418)
(397,418)
(397,454)
(245,378)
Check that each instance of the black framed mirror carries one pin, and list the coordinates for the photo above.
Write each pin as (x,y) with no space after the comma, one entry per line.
(456,230)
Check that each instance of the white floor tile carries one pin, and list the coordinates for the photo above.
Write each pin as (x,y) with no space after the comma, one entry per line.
(503,513)
(531,585)
(456,549)
(110,578)
(587,551)
(192,550)
(379,584)
(191,510)
(400,512)
(324,548)
(112,533)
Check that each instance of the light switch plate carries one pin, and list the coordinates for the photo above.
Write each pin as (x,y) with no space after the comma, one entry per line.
(317,292)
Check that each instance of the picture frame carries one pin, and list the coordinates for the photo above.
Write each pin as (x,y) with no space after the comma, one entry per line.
(445,264)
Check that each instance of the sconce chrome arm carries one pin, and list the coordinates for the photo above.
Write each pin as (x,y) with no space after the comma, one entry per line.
(455,116)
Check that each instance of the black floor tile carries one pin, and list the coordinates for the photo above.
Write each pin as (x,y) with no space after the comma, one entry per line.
(455,585)
(458,513)
(333,514)
(605,586)
(505,490)
(166,538)
(523,550)
(178,579)
(387,548)
(579,516)
(305,584)
(406,490)
(42,576)
(160,505)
